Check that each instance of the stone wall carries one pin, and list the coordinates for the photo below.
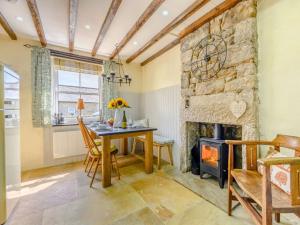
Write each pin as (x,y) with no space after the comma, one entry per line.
(223,98)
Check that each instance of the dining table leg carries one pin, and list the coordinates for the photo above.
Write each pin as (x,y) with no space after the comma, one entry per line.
(149,152)
(106,162)
(124,143)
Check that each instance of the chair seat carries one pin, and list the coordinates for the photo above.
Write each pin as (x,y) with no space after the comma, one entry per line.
(113,150)
(98,142)
(251,183)
(161,140)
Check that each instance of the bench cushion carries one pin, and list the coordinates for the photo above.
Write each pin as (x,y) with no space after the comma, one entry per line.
(160,139)
(280,174)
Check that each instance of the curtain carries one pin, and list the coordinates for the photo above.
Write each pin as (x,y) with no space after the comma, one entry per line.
(108,91)
(76,66)
(41,86)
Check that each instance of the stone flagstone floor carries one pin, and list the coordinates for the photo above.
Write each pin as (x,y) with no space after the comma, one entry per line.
(61,196)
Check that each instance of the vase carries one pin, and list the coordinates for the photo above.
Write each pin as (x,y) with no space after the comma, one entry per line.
(118,118)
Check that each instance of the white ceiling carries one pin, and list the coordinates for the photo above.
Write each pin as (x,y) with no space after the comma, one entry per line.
(54,16)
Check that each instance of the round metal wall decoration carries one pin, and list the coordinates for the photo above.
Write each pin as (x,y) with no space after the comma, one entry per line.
(208,57)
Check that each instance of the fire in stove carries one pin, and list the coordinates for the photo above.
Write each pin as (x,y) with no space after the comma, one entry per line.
(210,155)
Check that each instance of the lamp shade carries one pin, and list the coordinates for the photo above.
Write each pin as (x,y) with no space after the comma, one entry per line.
(80,104)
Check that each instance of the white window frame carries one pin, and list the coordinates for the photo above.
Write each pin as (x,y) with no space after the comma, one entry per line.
(55,92)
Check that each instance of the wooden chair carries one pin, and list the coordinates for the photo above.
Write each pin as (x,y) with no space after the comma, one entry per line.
(95,155)
(158,141)
(258,188)
(98,142)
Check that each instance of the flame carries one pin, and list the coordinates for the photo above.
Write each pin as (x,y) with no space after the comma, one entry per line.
(210,154)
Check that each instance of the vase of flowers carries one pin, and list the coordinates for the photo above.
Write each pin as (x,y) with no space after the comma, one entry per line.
(119,105)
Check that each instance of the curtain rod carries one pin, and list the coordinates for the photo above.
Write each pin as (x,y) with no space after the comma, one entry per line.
(72,56)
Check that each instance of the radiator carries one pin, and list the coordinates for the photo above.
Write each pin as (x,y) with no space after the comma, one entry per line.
(67,143)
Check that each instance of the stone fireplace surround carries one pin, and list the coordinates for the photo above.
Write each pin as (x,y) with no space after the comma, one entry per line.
(210,101)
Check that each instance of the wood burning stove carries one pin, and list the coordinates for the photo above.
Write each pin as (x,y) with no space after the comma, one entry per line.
(214,156)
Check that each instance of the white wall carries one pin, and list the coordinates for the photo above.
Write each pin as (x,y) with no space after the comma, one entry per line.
(161,107)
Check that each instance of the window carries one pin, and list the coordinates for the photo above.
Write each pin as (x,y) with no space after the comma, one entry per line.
(69,86)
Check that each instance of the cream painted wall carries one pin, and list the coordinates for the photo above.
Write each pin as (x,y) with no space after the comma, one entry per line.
(135,71)
(14,54)
(162,72)
(278,67)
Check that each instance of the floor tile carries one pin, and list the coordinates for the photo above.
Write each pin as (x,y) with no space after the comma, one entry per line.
(99,209)
(141,217)
(205,213)
(164,196)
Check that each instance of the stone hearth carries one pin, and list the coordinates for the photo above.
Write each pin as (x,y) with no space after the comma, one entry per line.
(216,100)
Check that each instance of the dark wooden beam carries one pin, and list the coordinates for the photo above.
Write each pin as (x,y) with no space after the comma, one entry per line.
(154,5)
(162,51)
(73,11)
(172,25)
(7,27)
(37,21)
(114,6)
(218,10)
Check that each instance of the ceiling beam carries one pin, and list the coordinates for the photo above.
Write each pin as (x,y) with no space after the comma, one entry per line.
(154,5)
(37,21)
(162,51)
(114,6)
(172,25)
(218,10)
(73,11)
(7,27)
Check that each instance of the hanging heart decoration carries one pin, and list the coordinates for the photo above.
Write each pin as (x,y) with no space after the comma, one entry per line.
(238,108)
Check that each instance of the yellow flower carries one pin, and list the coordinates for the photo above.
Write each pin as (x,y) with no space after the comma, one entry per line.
(111,104)
(126,104)
(117,103)
(120,102)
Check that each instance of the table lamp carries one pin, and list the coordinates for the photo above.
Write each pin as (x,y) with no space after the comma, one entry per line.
(80,105)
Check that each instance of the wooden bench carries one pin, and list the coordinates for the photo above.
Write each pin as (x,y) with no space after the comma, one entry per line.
(159,142)
(257,188)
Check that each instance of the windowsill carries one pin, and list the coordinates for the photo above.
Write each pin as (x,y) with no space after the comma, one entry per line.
(64,124)
(70,124)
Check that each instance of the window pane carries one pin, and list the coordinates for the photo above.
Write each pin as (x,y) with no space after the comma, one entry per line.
(68,89)
(68,78)
(89,90)
(11,85)
(90,109)
(90,98)
(68,97)
(11,94)
(68,109)
(89,80)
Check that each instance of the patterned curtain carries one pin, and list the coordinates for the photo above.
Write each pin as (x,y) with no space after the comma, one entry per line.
(41,86)
(108,92)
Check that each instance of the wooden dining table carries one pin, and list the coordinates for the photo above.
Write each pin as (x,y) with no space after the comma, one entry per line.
(108,134)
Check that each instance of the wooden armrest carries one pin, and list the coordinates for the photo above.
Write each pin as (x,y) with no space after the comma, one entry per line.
(280,161)
(237,142)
